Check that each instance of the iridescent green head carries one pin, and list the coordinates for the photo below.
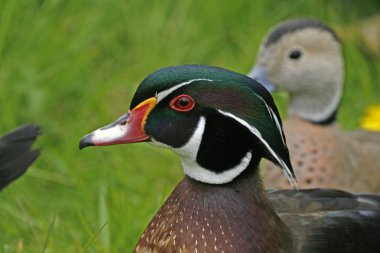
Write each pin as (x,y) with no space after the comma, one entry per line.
(218,121)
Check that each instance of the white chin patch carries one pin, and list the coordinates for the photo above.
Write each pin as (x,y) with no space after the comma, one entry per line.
(188,154)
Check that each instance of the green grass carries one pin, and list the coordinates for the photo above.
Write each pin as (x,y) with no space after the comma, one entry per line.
(73,66)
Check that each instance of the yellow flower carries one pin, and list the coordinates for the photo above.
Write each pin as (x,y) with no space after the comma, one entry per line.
(371,121)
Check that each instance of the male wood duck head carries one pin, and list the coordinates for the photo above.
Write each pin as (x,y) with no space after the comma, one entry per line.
(217,121)
(221,124)
(304,58)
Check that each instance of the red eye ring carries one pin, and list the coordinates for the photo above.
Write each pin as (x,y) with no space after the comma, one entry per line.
(182,103)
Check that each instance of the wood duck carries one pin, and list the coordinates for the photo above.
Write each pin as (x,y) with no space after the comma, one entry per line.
(16,154)
(221,124)
(304,58)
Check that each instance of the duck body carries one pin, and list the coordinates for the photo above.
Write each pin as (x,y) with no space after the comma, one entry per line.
(303,58)
(198,217)
(16,154)
(313,152)
(221,124)
(201,218)
(327,157)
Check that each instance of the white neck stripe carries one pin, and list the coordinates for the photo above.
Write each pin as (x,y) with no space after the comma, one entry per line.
(256,132)
(163,94)
(188,154)
(197,172)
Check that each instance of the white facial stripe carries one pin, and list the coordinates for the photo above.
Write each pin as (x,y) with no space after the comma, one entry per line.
(188,154)
(163,94)
(253,130)
(278,126)
(273,116)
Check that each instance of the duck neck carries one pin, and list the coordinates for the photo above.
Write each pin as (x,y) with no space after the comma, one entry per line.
(319,105)
(232,217)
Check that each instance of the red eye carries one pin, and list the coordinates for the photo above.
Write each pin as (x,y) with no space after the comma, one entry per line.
(182,103)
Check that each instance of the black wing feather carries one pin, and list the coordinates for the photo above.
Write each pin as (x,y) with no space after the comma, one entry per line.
(16,154)
(328,220)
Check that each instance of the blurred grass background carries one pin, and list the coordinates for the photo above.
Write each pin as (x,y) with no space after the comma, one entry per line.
(73,66)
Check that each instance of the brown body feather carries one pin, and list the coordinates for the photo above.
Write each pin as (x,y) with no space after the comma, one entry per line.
(327,157)
(235,217)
